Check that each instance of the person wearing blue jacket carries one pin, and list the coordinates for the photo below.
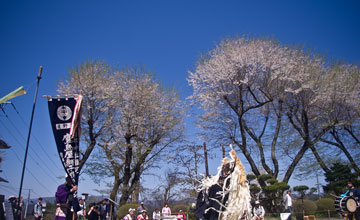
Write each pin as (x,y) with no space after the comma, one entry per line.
(354,192)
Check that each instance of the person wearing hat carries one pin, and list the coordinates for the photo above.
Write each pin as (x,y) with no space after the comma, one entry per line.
(12,200)
(143,216)
(259,211)
(131,215)
(181,215)
(140,208)
(355,194)
(38,210)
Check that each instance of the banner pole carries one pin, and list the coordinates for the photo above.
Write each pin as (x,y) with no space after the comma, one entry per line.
(28,138)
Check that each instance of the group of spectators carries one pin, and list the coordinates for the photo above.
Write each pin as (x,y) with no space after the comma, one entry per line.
(353,192)
(68,207)
(259,211)
(142,213)
(96,210)
(16,206)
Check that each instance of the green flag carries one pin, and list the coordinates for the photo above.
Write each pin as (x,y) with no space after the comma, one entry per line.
(13,94)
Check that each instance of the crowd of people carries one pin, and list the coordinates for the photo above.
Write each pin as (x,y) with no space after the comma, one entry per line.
(69,208)
(156,215)
(16,206)
(67,205)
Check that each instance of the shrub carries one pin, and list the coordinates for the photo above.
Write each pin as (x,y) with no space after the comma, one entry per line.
(272,181)
(124,210)
(251,177)
(179,207)
(324,205)
(309,207)
(265,177)
(254,188)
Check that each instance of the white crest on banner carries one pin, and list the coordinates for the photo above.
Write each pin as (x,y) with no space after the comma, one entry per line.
(64,112)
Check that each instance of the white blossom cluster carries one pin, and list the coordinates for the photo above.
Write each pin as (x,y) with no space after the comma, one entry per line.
(144,109)
(90,79)
(128,105)
(243,72)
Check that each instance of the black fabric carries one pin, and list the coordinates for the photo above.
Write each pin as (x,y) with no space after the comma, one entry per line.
(204,201)
(103,211)
(355,193)
(357,215)
(72,201)
(61,113)
(93,216)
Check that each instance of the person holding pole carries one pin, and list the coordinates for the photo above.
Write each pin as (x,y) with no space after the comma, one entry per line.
(64,200)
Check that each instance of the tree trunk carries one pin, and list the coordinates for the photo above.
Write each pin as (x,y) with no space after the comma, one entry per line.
(304,133)
(349,130)
(136,193)
(223,151)
(319,160)
(342,147)
(206,160)
(296,160)
(246,153)
(89,149)
(129,187)
(116,185)
(274,141)
(127,174)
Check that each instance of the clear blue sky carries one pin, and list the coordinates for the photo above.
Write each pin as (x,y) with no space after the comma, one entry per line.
(166,36)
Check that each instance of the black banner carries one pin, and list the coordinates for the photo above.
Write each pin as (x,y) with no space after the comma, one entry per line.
(62,113)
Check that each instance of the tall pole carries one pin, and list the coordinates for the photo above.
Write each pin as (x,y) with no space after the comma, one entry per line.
(28,138)
(318,184)
(27,204)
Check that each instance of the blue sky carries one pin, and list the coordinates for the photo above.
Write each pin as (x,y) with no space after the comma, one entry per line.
(166,36)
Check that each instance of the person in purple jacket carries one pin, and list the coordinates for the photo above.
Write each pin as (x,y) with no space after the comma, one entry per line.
(64,199)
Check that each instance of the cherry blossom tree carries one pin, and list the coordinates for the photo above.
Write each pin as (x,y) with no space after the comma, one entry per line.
(239,85)
(146,119)
(342,92)
(324,112)
(252,91)
(307,106)
(129,115)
